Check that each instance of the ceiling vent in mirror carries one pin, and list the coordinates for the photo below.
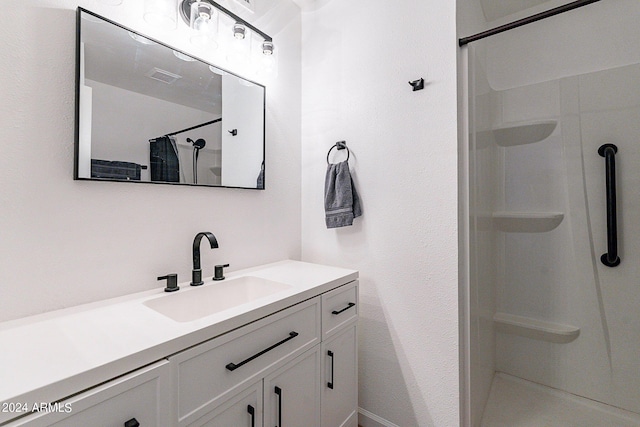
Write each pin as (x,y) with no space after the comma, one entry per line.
(162,75)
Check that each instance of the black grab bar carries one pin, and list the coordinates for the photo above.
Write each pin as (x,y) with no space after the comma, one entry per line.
(610,259)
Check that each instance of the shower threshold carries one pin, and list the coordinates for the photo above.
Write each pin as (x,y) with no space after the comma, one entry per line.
(514,402)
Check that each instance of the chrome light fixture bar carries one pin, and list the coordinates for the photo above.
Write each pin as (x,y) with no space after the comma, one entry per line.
(185,12)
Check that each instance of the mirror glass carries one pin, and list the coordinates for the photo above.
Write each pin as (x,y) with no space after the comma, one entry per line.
(149,113)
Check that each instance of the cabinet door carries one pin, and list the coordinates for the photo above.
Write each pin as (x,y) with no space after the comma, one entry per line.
(340,379)
(140,398)
(242,410)
(292,394)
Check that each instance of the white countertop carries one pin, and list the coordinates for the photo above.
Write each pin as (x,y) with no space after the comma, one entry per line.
(47,357)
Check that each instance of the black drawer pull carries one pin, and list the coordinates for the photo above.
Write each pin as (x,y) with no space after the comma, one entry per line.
(330,383)
(278,391)
(351,304)
(251,410)
(132,423)
(233,366)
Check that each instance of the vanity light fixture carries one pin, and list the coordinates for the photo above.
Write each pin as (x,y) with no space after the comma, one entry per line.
(203,20)
(269,65)
(239,31)
(202,17)
(267,48)
(239,47)
(205,17)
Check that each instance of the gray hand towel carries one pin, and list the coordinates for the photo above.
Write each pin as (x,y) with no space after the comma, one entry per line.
(341,201)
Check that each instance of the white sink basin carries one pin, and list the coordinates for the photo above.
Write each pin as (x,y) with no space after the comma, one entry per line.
(213,298)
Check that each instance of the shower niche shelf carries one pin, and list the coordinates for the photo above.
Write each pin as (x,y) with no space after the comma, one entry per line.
(511,135)
(534,328)
(527,222)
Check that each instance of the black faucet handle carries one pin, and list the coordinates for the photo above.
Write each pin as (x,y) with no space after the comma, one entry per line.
(172,282)
(218,272)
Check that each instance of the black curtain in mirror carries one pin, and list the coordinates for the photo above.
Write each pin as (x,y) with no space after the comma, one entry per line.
(164,160)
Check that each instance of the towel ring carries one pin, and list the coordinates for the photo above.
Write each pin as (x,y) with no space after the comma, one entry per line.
(341,145)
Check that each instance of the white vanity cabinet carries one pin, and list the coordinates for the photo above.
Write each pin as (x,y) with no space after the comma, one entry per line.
(301,380)
(340,357)
(141,398)
(288,361)
(206,375)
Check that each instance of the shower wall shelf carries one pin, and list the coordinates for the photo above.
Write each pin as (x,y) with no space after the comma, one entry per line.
(511,135)
(527,222)
(535,329)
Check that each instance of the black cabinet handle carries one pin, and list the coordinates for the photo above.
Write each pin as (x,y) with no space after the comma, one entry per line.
(351,304)
(278,391)
(330,383)
(132,423)
(251,410)
(233,366)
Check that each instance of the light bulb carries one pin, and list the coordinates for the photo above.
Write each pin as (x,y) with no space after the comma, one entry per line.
(204,22)
(267,48)
(239,47)
(239,31)
(267,60)
(200,15)
(200,23)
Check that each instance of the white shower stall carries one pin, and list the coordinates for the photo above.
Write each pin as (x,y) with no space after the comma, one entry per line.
(554,334)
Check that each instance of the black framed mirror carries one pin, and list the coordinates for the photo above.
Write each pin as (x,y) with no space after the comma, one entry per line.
(149,113)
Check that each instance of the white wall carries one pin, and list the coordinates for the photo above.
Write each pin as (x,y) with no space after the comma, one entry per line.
(357,59)
(65,242)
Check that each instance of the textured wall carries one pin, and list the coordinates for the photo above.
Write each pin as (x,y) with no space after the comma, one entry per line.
(357,59)
(65,242)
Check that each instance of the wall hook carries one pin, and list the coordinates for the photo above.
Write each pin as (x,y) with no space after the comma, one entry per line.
(417,84)
(233,132)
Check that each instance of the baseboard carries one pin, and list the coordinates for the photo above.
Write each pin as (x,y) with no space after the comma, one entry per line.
(368,419)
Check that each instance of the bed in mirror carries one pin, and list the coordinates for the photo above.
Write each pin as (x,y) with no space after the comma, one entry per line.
(149,113)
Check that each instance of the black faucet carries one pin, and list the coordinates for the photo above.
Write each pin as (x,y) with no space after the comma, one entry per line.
(196,274)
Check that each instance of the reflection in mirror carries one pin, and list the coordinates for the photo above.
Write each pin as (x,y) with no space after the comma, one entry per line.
(149,113)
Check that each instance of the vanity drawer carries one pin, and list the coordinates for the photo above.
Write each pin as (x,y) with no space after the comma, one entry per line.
(142,396)
(207,374)
(339,307)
